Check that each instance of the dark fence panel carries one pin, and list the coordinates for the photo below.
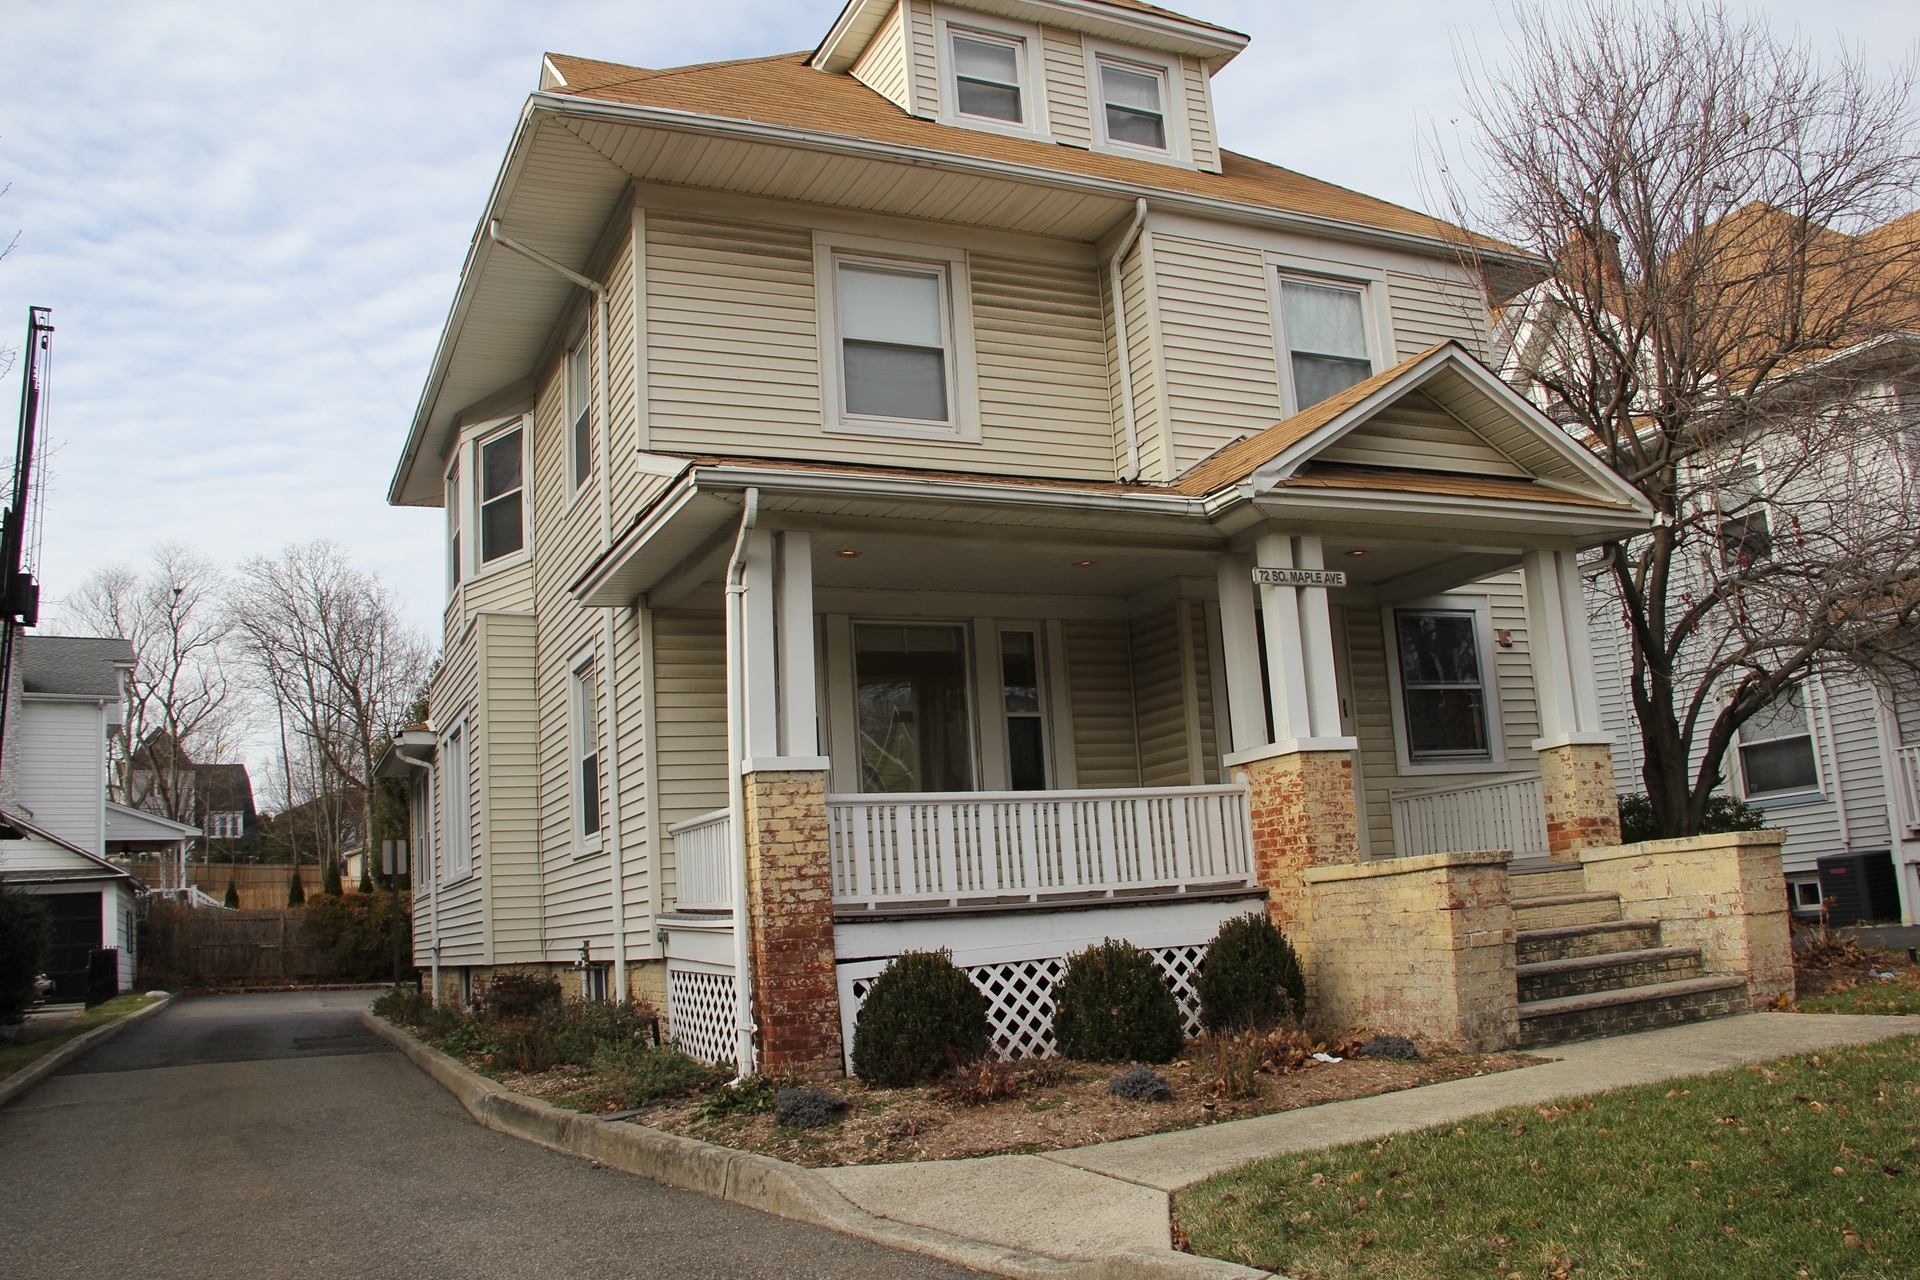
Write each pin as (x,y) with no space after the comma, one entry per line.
(187,947)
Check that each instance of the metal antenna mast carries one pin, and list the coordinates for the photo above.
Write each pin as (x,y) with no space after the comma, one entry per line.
(19,592)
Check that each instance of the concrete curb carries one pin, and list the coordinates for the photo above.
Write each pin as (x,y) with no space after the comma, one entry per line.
(45,1065)
(761,1182)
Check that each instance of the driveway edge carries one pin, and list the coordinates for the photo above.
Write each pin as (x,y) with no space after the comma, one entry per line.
(42,1067)
(761,1182)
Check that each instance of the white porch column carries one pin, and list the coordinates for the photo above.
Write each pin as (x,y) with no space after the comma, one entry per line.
(1286,663)
(799,716)
(1316,644)
(760,659)
(1240,639)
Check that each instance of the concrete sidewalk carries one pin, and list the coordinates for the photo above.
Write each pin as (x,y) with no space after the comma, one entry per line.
(1093,1202)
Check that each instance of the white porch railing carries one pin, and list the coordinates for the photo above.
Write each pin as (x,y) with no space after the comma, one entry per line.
(703,863)
(1908,784)
(1508,813)
(999,847)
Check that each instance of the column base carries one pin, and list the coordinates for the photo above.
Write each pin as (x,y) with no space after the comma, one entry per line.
(1583,807)
(796,995)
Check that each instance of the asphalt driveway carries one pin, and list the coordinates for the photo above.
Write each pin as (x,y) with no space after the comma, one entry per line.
(271,1135)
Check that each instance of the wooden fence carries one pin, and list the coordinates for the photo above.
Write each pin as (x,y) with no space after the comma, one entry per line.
(260,885)
(188,947)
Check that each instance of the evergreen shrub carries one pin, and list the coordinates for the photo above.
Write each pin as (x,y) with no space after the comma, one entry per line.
(519,993)
(1250,979)
(921,1017)
(296,891)
(807,1108)
(1113,1005)
(26,943)
(1723,814)
(232,898)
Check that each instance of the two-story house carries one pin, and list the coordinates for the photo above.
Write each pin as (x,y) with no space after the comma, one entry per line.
(924,492)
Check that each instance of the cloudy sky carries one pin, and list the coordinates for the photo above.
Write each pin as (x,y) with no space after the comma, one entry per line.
(248,219)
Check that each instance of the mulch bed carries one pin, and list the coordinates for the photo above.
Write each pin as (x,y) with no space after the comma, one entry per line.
(1842,968)
(888,1126)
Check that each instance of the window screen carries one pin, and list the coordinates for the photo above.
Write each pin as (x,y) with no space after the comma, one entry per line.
(1441,686)
(893,343)
(1134,113)
(1746,539)
(586,749)
(1776,748)
(502,530)
(986,78)
(1326,340)
(453,528)
(911,688)
(580,411)
(1020,690)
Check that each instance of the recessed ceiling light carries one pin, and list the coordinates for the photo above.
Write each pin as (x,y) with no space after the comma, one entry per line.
(1356,553)
(848,555)
(1083,564)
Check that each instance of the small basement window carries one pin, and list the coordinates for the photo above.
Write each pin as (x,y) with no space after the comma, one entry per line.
(1806,895)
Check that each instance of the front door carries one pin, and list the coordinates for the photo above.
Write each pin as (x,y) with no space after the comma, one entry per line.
(910,707)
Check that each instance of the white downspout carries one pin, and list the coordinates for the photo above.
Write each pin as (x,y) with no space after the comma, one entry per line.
(736,783)
(1132,471)
(616,853)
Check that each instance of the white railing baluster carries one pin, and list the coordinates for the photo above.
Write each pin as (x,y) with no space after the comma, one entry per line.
(1508,813)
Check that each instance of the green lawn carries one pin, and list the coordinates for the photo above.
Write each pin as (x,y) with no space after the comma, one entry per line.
(1807,1167)
(1870,995)
(15,1056)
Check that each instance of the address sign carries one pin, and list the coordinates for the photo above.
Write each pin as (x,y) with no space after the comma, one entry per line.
(1300,577)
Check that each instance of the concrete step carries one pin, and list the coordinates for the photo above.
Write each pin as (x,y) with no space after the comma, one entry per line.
(1610,971)
(1564,942)
(1557,909)
(1609,1013)
(1545,879)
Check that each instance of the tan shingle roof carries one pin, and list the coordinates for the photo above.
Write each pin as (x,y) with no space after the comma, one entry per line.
(784,91)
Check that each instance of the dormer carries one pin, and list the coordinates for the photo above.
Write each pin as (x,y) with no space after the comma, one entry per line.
(1113,76)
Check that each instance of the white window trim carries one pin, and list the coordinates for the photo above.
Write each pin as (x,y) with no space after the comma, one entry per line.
(577,483)
(1028,53)
(454,872)
(1173,102)
(1375,311)
(1043,675)
(956,292)
(1799,795)
(454,487)
(1482,610)
(475,567)
(583,667)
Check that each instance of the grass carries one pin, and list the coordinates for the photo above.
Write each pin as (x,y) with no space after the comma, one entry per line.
(1870,995)
(1807,1167)
(25,1052)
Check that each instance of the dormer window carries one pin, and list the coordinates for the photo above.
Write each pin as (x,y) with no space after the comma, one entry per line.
(1134,100)
(1326,339)
(986,77)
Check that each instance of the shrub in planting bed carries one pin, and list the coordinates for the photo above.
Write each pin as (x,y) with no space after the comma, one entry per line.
(1113,1005)
(922,1016)
(1251,978)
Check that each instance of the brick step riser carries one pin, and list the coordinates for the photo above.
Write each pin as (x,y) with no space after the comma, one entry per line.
(1527,917)
(1644,1015)
(1631,937)
(1545,884)
(1612,977)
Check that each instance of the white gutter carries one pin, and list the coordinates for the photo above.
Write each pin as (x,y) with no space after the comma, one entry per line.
(1132,470)
(433,895)
(736,783)
(616,852)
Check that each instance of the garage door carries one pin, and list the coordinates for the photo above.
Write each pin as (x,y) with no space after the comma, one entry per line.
(76,935)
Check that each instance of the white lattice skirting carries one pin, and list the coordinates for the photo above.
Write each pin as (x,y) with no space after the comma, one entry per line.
(1020,997)
(700,1012)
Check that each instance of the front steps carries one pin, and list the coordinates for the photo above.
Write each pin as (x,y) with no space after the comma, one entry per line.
(1584,971)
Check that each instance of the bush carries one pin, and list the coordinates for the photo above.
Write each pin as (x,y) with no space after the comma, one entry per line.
(232,897)
(1250,979)
(519,993)
(580,1028)
(26,942)
(1724,813)
(296,891)
(922,1016)
(404,1006)
(526,1044)
(1112,1005)
(807,1108)
(1141,1083)
(635,1075)
(752,1096)
(354,933)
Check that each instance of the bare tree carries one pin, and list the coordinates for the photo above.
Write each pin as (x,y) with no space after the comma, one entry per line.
(182,705)
(328,644)
(1724,324)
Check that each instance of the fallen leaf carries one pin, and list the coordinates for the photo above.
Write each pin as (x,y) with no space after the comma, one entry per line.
(1838,1172)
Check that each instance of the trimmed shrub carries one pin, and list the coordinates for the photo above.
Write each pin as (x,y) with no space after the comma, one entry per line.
(1250,979)
(296,891)
(1142,1083)
(404,1006)
(1723,813)
(355,933)
(807,1108)
(518,993)
(26,942)
(232,898)
(1113,1005)
(922,1016)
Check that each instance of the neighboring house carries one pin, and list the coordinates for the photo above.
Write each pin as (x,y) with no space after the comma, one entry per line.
(163,779)
(1835,760)
(56,823)
(908,421)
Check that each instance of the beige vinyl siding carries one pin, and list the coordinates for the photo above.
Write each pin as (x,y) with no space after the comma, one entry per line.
(509,771)
(1216,319)
(690,726)
(1415,433)
(1519,705)
(1373,727)
(1200,131)
(1160,711)
(1428,309)
(926,69)
(882,65)
(1100,691)
(1041,362)
(1069,111)
(1136,294)
(462,906)
(1202,690)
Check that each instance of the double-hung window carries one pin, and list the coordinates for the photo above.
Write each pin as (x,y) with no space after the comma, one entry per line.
(1326,339)
(1020,690)
(1776,748)
(895,343)
(580,411)
(456,799)
(1443,686)
(1133,105)
(501,498)
(453,527)
(1745,539)
(586,755)
(987,76)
